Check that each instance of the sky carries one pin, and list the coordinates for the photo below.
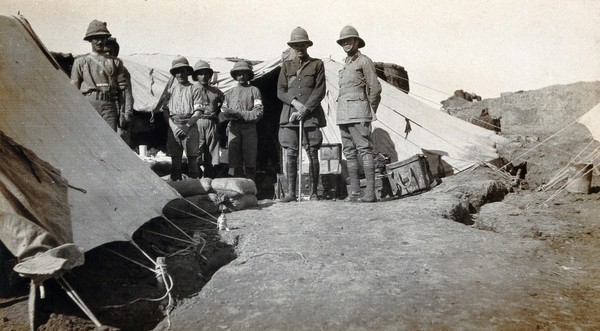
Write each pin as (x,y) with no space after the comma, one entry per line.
(486,47)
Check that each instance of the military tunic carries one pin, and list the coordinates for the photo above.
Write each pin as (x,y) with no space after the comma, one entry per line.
(100,79)
(357,103)
(246,101)
(211,101)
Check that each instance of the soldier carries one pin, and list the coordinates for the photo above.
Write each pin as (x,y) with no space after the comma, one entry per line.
(126,108)
(182,111)
(359,97)
(301,87)
(100,78)
(212,99)
(243,108)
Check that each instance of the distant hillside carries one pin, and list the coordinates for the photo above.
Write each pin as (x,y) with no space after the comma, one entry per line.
(536,124)
(540,112)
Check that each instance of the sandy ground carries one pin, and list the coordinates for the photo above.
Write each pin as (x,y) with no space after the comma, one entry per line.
(406,264)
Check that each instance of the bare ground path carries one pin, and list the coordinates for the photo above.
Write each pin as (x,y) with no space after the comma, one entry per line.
(404,264)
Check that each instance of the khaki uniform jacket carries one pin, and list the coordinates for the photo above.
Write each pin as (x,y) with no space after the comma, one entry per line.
(183,100)
(212,100)
(360,91)
(99,73)
(246,101)
(306,84)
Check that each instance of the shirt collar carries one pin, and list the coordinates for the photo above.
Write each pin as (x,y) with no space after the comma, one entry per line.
(353,57)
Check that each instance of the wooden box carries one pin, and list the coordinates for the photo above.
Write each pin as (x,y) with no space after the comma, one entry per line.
(410,176)
(330,152)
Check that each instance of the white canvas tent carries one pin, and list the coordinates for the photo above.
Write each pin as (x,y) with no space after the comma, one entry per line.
(460,143)
(111,192)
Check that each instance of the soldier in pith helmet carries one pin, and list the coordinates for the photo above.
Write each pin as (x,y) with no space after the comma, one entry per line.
(100,78)
(211,102)
(359,97)
(301,88)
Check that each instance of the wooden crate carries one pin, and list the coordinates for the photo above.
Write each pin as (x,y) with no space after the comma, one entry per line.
(331,152)
(410,176)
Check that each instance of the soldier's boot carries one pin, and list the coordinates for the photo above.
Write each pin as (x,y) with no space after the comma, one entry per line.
(369,167)
(354,194)
(292,176)
(250,173)
(193,169)
(236,172)
(209,171)
(176,164)
(314,170)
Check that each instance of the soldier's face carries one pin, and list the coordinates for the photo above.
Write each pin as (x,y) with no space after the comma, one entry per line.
(350,45)
(98,44)
(300,49)
(242,77)
(204,76)
(181,74)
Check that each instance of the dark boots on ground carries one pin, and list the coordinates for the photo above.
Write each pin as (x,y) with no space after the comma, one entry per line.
(292,176)
(314,171)
(369,168)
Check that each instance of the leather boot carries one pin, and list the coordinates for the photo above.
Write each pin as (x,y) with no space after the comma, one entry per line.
(176,164)
(354,194)
(369,167)
(193,170)
(292,176)
(250,173)
(314,174)
(209,171)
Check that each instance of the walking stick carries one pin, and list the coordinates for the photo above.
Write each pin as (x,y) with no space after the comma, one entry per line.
(300,162)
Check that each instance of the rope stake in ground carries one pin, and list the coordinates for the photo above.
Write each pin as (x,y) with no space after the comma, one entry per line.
(222,222)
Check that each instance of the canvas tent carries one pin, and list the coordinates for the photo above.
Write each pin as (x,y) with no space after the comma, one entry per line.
(460,144)
(109,191)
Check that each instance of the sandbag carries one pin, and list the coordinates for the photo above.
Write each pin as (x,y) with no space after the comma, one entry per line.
(192,186)
(197,205)
(244,201)
(234,187)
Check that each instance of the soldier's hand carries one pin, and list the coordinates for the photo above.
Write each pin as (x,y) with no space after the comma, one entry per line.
(298,105)
(298,115)
(182,130)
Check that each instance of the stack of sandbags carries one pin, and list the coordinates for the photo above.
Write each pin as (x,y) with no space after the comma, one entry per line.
(198,199)
(240,191)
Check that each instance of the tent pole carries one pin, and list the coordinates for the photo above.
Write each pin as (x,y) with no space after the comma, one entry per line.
(73,295)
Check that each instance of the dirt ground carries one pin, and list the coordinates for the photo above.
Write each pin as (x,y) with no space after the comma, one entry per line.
(478,251)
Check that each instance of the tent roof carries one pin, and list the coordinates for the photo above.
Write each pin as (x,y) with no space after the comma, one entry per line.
(462,144)
(112,192)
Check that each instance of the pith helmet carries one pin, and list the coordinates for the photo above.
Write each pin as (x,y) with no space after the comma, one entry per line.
(241,66)
(96,28)
(201,65)
(112,43)
(299,35)
(350,32)
(180,62)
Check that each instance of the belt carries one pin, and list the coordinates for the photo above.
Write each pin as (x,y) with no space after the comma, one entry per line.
(348,90)
(180,119)
(104,96)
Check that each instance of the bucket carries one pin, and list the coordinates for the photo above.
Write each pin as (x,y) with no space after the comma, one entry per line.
(143,149)
(580,178)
